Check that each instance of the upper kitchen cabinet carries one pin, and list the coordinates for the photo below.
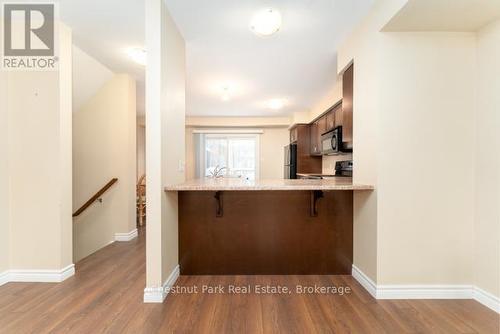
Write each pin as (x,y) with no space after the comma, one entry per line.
(325,123)
(338,115)
(315,138)
(321,125)
(333,117)
(294,134)
(343,116)
(318,127)
(330,120)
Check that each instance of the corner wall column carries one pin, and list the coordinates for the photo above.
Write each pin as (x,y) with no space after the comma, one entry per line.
(165,148)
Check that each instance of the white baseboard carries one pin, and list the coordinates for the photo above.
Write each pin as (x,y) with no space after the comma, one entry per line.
(158,294)
(126,236)
(426,291)
(4,277)
(365,281)
(487,299)
(42,276)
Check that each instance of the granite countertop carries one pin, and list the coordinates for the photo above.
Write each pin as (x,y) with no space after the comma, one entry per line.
(209,184)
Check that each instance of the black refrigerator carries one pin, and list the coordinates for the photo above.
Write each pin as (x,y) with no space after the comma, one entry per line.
(291,161)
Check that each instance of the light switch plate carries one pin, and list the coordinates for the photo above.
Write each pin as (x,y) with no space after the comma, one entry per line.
(182,166)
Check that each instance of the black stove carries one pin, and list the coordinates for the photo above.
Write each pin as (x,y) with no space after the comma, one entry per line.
(343,168)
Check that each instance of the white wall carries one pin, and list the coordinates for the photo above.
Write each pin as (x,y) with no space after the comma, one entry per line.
(165,147)
(425,154)
(272,141)
(238,121)
(34,172)
(408,90)
(333,96)
(272,159)
(65,144)
(487,168)
(88,77)
(39,164)
(4,177)
(434,216)
(362,46)
(104,139)
(190,154)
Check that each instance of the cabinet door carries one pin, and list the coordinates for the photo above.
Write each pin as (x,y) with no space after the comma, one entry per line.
(293,135)
(347,100)
(337,115)
(321,127)
(314,138)
(330,120)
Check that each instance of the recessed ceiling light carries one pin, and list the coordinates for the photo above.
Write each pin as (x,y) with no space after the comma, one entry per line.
(266,22)
(276,104)
(138,55)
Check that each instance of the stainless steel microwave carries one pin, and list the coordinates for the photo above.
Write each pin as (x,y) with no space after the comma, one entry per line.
(331,142)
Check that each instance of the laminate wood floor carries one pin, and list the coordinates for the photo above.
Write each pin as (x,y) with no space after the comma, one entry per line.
(105,296)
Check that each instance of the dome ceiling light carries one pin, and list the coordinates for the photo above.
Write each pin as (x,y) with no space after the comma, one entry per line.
(138,55)
(225,94)
(266,22)
(276,104)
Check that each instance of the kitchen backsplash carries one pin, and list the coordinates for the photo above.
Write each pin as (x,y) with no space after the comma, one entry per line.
(328,164)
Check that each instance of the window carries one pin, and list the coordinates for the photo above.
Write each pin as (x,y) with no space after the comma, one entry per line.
(238,154)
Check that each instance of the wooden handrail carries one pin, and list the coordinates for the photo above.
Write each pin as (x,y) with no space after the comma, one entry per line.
(95,197)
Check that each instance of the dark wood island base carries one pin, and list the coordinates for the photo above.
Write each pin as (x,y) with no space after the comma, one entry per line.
(303,232)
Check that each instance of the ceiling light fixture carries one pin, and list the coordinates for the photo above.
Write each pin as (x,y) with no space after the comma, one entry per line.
(225,94)
(266,22)
(276,104)
(138,55)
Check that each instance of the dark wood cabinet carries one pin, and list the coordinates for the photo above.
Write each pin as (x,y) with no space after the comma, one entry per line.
(333,117)
(306,164)
(344,116)
(338,115)
(315,140)
(293,134)
(321,125)
(265,233)
(330,120)
(318,127)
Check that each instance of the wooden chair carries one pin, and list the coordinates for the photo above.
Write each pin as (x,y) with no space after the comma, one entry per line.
(141,200)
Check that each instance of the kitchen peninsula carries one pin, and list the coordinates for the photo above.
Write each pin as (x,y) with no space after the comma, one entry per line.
(232,226)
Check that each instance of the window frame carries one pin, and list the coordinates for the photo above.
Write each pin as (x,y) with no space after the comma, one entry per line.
(227,136)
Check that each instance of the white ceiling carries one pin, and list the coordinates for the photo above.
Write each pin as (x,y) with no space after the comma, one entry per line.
(444,15)
(297,64)
(105,29)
